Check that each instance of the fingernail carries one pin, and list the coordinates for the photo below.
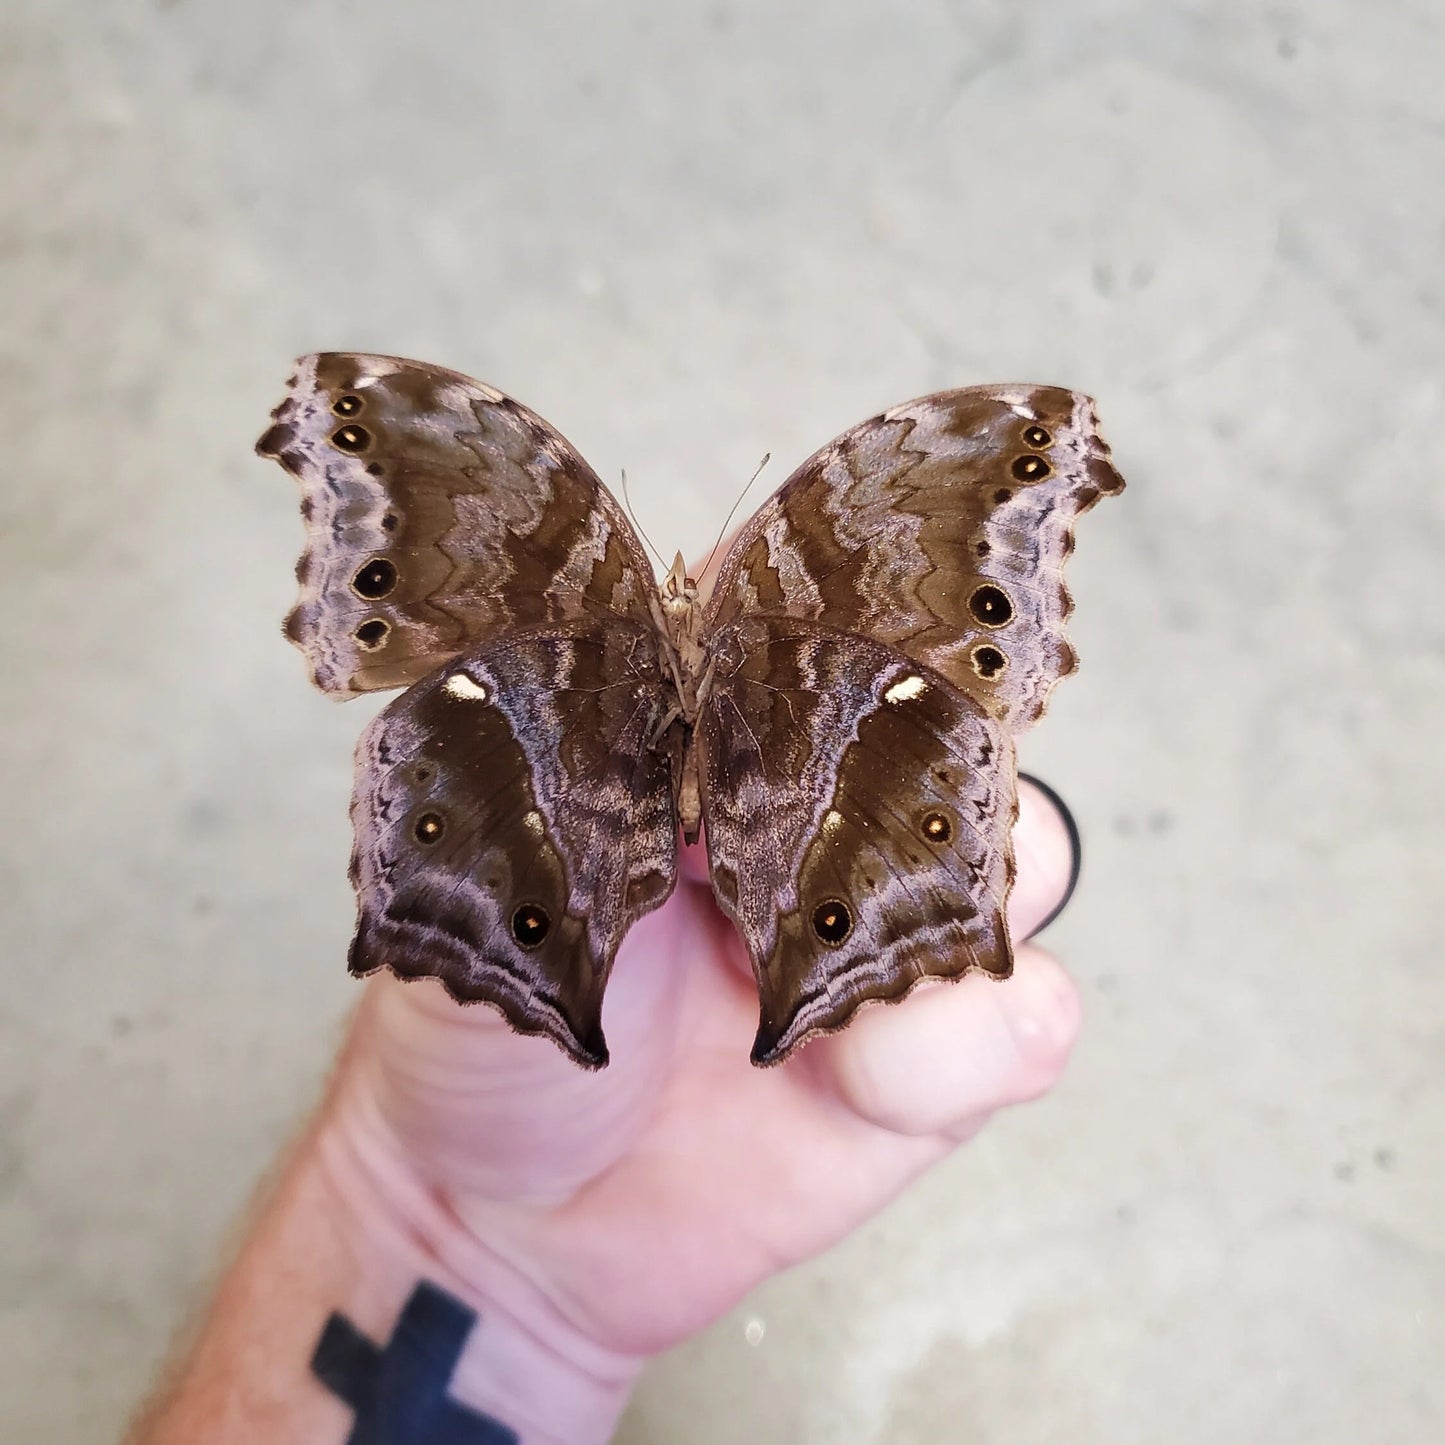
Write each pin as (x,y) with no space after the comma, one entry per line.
(1076,848)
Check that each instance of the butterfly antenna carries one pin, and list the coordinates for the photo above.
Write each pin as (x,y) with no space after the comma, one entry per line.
(727,521)
(627,502)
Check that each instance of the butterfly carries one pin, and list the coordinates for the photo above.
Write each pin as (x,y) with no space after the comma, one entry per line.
(836,715)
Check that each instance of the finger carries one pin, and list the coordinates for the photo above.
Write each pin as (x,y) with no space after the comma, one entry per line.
(949,1056)
(501,1115)
(1049,854)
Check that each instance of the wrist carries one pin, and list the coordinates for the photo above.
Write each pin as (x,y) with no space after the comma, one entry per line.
(524,1362)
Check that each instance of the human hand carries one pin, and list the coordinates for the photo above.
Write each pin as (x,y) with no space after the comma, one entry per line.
(613,1214)
(582,1222)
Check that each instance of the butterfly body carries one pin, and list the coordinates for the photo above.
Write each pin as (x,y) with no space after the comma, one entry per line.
(678,613)
(836,713)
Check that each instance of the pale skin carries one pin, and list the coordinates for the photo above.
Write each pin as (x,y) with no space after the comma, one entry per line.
(595,1219)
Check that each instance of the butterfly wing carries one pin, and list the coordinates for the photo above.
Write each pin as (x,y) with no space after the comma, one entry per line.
(941,528)
(513,820)
(859,810)
(880,630)
(512,816)
(437,511)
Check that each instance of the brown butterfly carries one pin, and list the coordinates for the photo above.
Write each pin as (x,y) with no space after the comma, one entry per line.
(838,712)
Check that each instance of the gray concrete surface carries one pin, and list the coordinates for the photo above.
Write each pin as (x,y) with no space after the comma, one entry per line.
(690,234)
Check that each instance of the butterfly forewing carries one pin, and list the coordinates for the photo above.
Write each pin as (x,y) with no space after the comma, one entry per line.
(438,511)
(939,528)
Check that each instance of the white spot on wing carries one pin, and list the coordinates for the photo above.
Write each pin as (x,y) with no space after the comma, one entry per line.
(906,689)
(464,688)
(375,369)
(1027,412)
(533,821)
(490,392)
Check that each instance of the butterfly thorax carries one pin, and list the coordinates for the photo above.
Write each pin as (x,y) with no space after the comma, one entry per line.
(678,612)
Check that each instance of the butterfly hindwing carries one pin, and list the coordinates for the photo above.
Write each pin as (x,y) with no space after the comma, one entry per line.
(513,819)
(859,811)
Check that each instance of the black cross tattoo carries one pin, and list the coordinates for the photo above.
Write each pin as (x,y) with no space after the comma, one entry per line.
(399,1392)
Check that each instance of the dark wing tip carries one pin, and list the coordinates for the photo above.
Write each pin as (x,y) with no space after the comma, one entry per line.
(766,1051)
(591,1052)
(586,1047)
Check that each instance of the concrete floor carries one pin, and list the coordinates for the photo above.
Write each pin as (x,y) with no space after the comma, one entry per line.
(690,235)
